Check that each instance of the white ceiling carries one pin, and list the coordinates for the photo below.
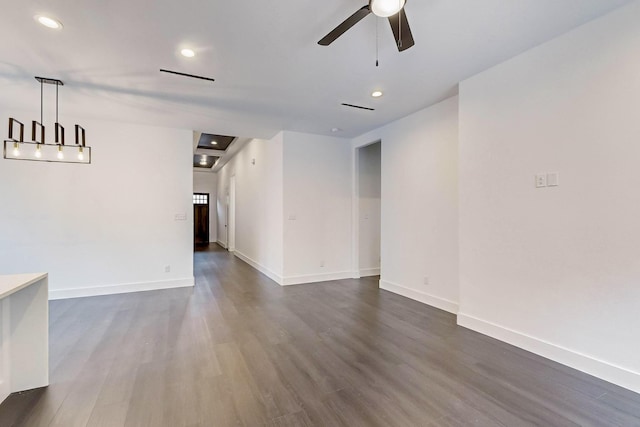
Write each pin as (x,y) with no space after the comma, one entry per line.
(270,73)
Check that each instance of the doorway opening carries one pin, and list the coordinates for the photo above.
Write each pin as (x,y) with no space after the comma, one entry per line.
(369,206)
(201,219)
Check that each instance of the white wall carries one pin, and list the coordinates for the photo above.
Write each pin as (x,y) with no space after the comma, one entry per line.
(369,190)
(207,182)
(106,227)
(293,207)
(556,270)
(420,204)
(317,208)
(259,228)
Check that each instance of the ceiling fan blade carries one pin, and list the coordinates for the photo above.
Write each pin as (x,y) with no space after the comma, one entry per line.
(342,28)
(401,30)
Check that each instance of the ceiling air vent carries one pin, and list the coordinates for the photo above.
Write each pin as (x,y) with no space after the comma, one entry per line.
(358,107)
(192,76)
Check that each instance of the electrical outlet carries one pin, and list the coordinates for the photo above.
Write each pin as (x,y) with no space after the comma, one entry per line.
(426,280)
(167,269)
(322,263)
(541,180)
(553,179)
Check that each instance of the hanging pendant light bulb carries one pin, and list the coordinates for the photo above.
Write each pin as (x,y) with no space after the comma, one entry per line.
(16,149)
(80,153)
(38,151)
(60,153)
(386,8)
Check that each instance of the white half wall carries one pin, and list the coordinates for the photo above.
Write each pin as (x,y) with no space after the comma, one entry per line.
(369,188)
(317,208)
(555,270)
(420,204)
(106,227)
(207,182)
(259,231)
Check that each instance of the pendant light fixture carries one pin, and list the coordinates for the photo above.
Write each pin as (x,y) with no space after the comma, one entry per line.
(16,148)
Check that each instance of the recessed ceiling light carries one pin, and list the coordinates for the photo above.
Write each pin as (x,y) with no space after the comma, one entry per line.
(188,53)
(336,130)
(214,142)
(376,94)
(48,22)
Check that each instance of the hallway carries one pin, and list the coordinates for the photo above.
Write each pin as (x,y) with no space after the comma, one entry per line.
(240,350)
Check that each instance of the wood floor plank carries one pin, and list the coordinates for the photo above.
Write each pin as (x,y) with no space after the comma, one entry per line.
(299,419)
(108,415)
(239,350)
(252,407)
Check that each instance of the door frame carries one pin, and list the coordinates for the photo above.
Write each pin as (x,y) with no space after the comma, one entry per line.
(231,215)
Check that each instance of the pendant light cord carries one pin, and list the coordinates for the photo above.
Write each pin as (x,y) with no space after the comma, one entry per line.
(57,103)
(41,102)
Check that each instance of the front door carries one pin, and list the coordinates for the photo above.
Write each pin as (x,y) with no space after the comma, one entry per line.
(201,218)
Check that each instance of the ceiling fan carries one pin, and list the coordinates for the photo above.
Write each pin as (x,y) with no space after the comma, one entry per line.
(391,9)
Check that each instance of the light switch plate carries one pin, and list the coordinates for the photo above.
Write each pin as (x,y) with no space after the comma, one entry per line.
(181,217)
(541,180)
(553,179)
(292,217)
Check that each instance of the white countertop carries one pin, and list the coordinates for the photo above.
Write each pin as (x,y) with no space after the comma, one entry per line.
(13,283)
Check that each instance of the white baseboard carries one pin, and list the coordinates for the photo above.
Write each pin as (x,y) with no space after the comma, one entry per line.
(368,272)
(582,362)
(224,245)
(292,280)
(432,300)
(313,278)
(119,289)
(261,268)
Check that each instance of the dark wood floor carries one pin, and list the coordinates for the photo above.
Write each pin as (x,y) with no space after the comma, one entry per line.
(238,350)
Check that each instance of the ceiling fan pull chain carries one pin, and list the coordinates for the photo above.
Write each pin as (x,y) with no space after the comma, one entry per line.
(399,26)
(377,43)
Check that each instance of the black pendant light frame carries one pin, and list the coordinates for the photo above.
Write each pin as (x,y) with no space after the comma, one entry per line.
(38,134)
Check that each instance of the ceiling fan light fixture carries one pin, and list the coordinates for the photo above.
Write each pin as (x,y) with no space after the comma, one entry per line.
(386,8)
